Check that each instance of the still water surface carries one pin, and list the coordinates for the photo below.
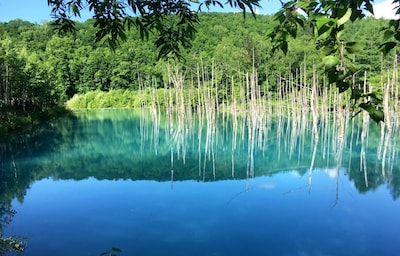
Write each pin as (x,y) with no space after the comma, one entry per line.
(117,178)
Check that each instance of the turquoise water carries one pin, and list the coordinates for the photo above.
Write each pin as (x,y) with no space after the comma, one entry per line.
(149,186)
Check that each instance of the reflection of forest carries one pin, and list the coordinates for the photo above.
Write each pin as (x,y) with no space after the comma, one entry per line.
(124,144)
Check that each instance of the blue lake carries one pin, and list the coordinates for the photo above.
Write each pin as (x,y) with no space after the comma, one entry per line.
(151,186)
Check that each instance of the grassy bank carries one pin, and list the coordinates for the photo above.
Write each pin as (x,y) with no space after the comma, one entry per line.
(134,99)
(100,99)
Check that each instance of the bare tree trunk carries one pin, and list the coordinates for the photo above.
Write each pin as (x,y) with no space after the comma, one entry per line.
(7,88)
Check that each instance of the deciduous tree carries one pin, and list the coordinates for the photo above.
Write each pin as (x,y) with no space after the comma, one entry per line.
(172,21)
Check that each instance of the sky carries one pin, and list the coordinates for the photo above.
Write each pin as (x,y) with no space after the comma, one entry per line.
(37,11)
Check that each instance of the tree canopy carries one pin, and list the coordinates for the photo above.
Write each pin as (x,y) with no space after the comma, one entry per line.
(42,68)
(173,21)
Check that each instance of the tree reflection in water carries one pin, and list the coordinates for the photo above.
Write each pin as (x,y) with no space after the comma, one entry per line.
(153,144)
(128,144)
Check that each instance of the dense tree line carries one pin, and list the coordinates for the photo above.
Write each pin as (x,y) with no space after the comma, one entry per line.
(40,69)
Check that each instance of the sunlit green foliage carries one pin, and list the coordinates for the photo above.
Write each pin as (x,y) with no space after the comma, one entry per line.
(100,99)
(39,69)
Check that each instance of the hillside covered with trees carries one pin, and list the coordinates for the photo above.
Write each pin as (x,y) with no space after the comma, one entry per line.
(40,69)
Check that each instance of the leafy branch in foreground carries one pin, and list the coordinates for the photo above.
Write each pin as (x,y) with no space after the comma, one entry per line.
(172,21)
(326,21)
(392,31)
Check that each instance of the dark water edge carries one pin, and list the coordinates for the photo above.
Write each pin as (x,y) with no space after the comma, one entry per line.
(16,123)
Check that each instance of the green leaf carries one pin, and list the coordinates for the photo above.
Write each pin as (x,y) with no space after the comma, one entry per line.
(376,114)
(352,69)
(357,15)
(387,47)
(332,76)
(284,47)
(327,50)
(321,21)
(397,36)
(292,31)
(288,4)
(344,18)
(356,94)
(299,21)
(342,86)
(369,7)
(324,26)
(388,34)
(353,47)
(373,96)
(280,16)
(330,61)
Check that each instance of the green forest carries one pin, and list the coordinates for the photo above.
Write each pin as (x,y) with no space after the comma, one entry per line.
(41,70)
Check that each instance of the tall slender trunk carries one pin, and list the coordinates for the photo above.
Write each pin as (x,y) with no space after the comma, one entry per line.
(7,87)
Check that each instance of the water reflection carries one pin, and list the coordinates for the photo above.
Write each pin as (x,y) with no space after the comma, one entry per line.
(117,176)
(149,145)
